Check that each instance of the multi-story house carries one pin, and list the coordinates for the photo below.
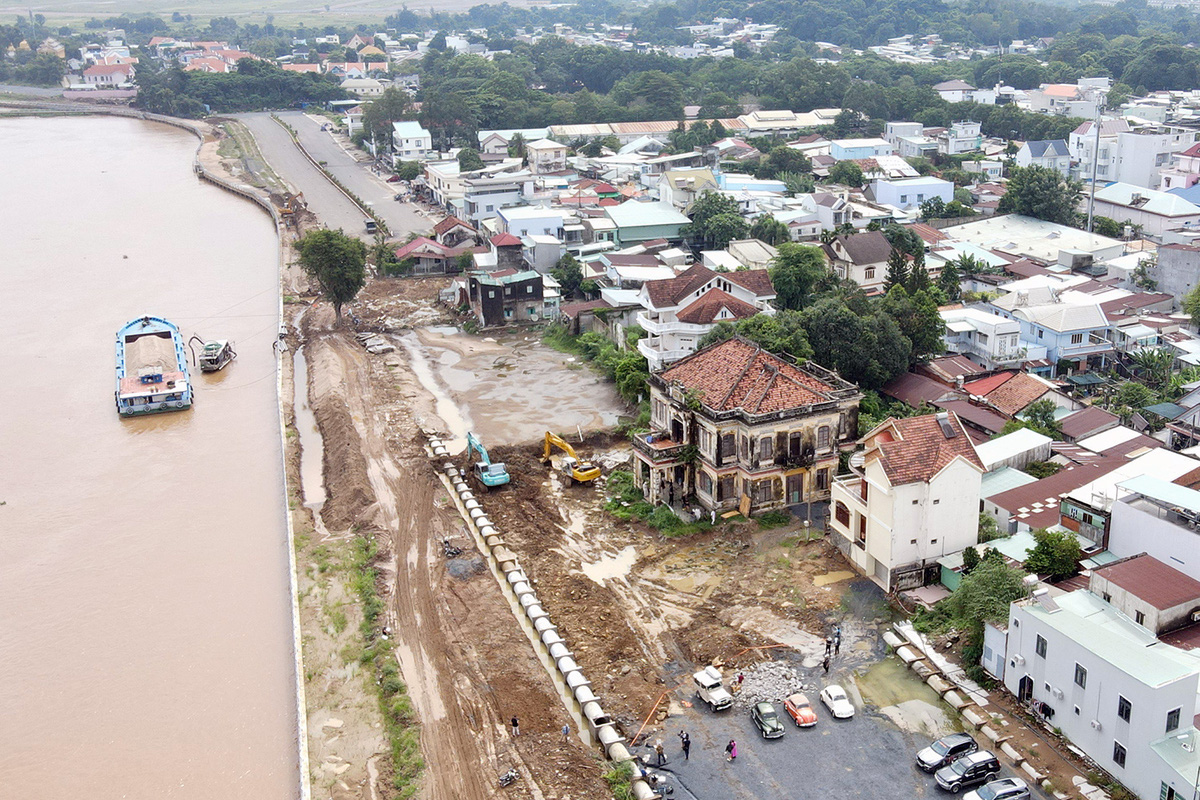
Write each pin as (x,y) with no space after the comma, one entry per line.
(411,141)
(989,340)
(485,194)
(546,155)
(679,311)
(1071,329)
(1159,517)
(1156,212)
(908,193)
(507,297)
(1136,157)
(862,258)
(733,423)
(855,149)
(1050,153)
(954,91)
(1115,691)
(1184,171)
(911,498)
(964,136)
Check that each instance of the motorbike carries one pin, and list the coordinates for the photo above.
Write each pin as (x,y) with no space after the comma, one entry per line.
(449,550)
(508,778)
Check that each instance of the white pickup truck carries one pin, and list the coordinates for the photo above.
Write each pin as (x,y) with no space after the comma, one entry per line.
(710,689)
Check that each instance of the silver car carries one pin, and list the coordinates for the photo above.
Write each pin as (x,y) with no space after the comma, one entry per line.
(1003,789)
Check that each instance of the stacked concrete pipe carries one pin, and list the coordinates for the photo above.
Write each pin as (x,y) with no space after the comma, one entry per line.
(600,724)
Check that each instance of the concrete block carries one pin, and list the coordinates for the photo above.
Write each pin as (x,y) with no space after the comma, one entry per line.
(892,640)
(1033,774)
(907,654)
(922,669)
(955,699)
(974,718)
(939,684)
(1010,751)
(990,732)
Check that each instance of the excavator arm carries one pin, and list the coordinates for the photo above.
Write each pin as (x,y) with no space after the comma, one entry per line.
(489,474)
(579,471)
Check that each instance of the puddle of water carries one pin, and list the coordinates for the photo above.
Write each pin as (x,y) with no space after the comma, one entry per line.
(905,699)
(447,410)
(312,446)
(443,330)
(614,566)
(831,577)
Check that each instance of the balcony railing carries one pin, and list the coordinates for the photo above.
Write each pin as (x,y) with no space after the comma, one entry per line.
(658,445)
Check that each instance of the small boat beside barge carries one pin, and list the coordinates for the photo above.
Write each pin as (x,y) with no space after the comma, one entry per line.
(152,368)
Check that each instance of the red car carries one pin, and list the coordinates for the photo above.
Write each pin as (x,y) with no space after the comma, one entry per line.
(393,179)
(800,710)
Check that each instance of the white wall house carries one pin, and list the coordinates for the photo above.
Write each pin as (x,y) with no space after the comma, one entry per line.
(523,221)
(1155,516)
(1050,153)
(1157,212)
(989,340)
(964,136)
(912,192)
(1115,691)
(546,155)
(410,141)
(914,498)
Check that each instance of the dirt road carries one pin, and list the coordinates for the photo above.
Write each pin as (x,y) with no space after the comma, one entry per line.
(467,664)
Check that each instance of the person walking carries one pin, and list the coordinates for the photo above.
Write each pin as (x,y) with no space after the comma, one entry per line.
(566,733)
(516,726)
(731,750)
(686,742)
(658,751)
(825,664)
(837,645)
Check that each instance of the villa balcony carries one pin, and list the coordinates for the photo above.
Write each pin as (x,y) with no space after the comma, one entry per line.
(658,446)
(655,325)
(657,358)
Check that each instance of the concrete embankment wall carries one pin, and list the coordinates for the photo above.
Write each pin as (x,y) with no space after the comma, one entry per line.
(575,687)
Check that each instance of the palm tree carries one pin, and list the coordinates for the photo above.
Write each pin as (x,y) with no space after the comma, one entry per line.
(1155,364)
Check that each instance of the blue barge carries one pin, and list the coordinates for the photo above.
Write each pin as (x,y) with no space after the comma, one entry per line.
(152,368)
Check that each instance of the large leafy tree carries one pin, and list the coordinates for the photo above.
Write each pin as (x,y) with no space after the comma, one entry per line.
(1055,554)
(716,220)
(1191,305)
(568,273)
(950,282)
(918,318)
(795,273)
(777,333)
(897,269)
(1043,193)
(391,106)
(337,263)
(770,230)
(847,173)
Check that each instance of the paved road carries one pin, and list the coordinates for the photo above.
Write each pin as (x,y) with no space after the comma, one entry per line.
(33,91)
(401,218)
(323,198)
(864,757)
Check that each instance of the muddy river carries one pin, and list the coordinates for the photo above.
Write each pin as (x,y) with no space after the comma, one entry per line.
(145,629)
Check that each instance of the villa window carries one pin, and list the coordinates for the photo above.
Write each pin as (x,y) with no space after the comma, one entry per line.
(1076,338)
(1172,720)
(1119,754)
(870,273)
(1124,708)
(823,437)
(1080,676)
(1039,646)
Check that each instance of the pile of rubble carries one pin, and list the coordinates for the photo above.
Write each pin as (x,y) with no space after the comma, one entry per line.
(768,682)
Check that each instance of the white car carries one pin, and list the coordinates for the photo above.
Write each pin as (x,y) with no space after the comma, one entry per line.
(835,699)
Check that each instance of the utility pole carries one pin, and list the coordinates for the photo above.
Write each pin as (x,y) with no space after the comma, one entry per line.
(1095,164)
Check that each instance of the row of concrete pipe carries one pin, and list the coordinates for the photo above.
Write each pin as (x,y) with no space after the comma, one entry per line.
(601,726)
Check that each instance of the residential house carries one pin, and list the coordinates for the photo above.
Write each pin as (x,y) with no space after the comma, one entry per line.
(497,142)
(546,155)
(411,141)
(893,132)
(429,257)
(486,193)
(1071,327)
(1016,450)
(1117,693)
(107,75)
(1157,212)
(452,232)
(1135,157)
(638,221)
(964,136)
(1184,170)
(1049,153)
(861,257)
(1065,99)
(1176,270)
(523,221)
(682,187)
(1154,595)
(444,185)
(679,311)
(990,340)
(909,193)
(764,430)
(752,253)
(911,498)
(854,149)
(364,88)
(507,297)
(954,91)
(1158,517)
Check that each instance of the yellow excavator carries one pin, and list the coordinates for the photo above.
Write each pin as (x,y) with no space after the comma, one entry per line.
(570,466)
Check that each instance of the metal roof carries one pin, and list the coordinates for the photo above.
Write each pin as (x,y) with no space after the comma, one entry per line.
(1164,491)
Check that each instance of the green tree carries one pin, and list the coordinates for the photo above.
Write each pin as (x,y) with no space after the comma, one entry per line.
(1155,365)
(897,269)
(568,273)
(847,173)
(950,282)
(776,333)
(716,220)
(1056,554)
(378,115)
(1038,416)
(1041,192)
(409,170)
(469,160)
(770,230)
(1191,305)
(336,262)
(918,275)
(988,529)
(795,273)
(970,560)
(933,208)
(918,319)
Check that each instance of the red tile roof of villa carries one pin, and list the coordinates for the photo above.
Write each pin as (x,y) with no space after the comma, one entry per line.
(705,309)
(738,374)
(915,449)
(448,223)
(505,240)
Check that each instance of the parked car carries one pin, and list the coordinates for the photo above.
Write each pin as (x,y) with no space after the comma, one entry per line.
(945,751)
(370,225)
(973,768)
(393,178)
(1003,789)
(835,699)
(800,710)
(766,718)
(710,689)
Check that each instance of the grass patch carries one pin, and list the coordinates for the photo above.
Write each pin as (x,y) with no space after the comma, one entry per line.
(399,721)
(620,781)
(626,501)
(773,519)
(337,618)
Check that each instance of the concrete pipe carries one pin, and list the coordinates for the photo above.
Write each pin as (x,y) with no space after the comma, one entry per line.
(609,739)
(558,650)
(449,467)
(566,664)
(516,576)
(459,488)
(470,503)
(535,612)
(584,694)
(575,680)
(595,714)
(527,600)
(551,638)
(483,522)
(475,512)
(506,555)
(493,541)
(487,529)
(544,624)
(521,588)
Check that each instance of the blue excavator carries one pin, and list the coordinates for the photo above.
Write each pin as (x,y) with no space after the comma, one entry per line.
(489,474)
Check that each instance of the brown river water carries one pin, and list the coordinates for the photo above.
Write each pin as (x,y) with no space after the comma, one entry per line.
(145,623)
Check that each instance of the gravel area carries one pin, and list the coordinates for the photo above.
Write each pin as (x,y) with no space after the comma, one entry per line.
(770,682)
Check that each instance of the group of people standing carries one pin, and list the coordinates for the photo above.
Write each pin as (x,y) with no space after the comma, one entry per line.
(833,647)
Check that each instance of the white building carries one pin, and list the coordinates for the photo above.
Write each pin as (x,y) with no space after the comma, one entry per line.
(1117,693)
(912,192)
(989,340)
(912,499)
(410,141)
(365,88)
(1050,153)
(954,91)
(546,155)
(1157,212)
(1155,516)
(1136,157)
(964,136)
(525,221)
(485,194)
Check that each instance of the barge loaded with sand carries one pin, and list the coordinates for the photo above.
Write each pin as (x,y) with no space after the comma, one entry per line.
(152,368)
